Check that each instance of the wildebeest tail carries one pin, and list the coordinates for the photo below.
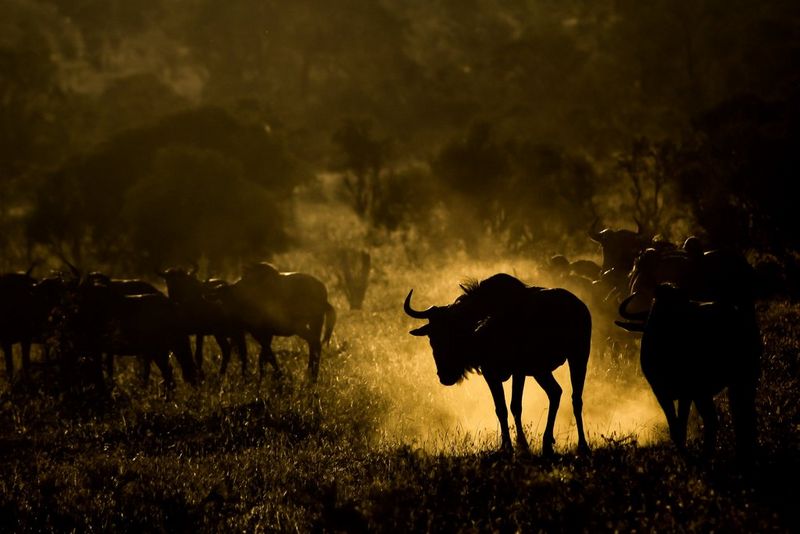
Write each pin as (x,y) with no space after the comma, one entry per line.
(330,321)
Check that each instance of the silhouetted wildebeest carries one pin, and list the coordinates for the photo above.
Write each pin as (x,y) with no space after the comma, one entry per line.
(270,303)
(49,295)
(690,352)
(586,269)
(652,268)
(206,315)
(716,275)
(148,326)
(584,288)
(502,328)
(17,318)
(620,249)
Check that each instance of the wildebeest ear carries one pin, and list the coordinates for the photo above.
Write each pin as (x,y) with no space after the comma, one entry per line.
(630,327)
(421,331)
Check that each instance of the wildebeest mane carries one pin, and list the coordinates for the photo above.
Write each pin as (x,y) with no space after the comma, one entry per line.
(493,286)
(480,301)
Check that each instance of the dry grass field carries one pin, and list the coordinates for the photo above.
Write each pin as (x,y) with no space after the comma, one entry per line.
(379,445)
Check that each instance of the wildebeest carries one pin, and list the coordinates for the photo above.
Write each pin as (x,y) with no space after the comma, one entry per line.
(690,352)
(620,249)
(566,276)
(586,269)
(502,328)
(271,303)
(17,318)
(206,315)
(49,295)
(148,326)
(716,275)
(652,268)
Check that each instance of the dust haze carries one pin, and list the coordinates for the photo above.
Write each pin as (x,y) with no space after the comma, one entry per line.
(388,146)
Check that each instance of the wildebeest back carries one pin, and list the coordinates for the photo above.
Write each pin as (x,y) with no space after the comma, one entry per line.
(530,330)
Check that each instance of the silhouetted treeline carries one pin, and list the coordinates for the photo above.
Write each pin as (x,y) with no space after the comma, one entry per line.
(513,115)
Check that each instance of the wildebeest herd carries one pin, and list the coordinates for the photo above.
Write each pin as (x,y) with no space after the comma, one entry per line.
(97,318)
(695,309)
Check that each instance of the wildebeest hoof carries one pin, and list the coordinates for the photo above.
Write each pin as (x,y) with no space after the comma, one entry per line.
(504,454)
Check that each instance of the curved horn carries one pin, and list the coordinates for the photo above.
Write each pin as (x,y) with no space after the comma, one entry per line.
(34,263)
(630,327)
(75,271)
(416,314)
(631,316)
(594,233)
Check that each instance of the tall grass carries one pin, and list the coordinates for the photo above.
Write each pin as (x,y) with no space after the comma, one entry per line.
(379,445)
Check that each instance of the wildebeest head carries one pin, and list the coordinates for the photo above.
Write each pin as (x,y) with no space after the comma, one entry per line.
(181,284)
(460,332)
(450,330)
(620,247)
(667,298)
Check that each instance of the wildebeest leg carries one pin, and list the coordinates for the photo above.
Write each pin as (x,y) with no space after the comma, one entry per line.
(198,354)
(742,399)
(517,386)
(96,371)
(668,407)
(183,353)
(109,367)
(25,347)
(553,390)
(241,347)
(8,352)
(314,347)
(705,405)
(684,407)
(145,369)
(265,355)
(225,349)
(499,396)
(161,360)
(314,354)
(577,375)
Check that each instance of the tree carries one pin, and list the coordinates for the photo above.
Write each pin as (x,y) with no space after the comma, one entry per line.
(738,170)
(549,194)
(472,171)
(650,169)
(520,190)
(77,211)
(197,203)
(363,158)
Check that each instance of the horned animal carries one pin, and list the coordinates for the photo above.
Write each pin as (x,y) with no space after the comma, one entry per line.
(17,318)
(206,315)
(270,303)
(691,351)
(148,326)
(502,328)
